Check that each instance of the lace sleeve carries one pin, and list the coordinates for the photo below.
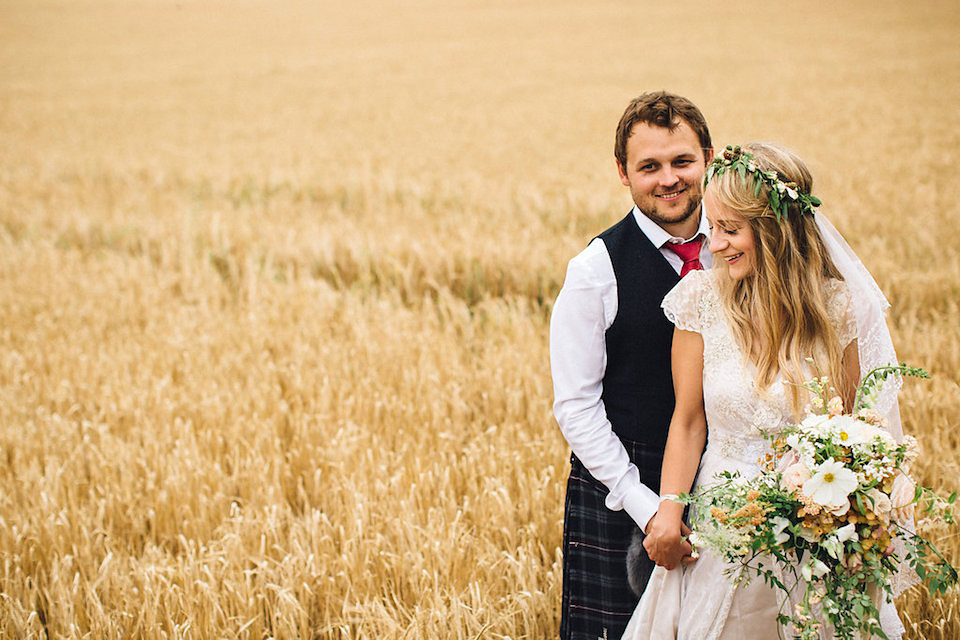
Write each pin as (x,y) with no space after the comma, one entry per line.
(682,304)
(841,312)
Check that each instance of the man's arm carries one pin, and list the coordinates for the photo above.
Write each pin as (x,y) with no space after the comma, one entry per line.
(584,310)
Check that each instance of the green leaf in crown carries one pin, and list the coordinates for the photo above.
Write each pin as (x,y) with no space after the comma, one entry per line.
(780,194)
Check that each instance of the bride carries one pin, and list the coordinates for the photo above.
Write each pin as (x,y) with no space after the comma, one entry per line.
(785,287)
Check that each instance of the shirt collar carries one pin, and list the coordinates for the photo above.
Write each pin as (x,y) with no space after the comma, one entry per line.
(658,236)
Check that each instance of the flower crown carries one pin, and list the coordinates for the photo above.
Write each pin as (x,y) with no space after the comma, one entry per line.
(733,158)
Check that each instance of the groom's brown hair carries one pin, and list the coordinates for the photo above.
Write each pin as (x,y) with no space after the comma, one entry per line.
(660,109)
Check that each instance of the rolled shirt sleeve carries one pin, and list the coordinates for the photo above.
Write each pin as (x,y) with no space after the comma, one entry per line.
(585,308)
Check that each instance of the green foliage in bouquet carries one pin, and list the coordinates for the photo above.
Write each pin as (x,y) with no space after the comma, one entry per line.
(829,519)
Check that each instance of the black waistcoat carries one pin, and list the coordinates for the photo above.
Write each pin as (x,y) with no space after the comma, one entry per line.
(637,386)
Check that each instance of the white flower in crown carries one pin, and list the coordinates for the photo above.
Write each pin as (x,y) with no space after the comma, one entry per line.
(830,485)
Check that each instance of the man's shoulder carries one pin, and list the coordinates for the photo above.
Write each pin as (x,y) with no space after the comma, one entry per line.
(621,227)
(593,262)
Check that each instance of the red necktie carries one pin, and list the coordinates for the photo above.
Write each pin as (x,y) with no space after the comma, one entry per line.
(689,252)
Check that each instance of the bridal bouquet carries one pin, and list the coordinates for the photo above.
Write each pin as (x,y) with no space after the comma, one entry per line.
(833,509)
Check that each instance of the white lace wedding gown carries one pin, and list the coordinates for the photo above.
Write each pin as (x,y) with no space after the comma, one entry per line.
(699,601)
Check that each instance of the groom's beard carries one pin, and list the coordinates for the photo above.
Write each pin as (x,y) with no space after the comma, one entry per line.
(662,219)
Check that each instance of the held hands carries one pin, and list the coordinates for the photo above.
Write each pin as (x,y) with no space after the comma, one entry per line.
(665,539)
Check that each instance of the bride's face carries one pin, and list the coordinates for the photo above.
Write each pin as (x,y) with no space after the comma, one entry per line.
(731,238)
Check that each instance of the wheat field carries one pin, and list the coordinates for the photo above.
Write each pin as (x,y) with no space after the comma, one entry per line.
(277,277)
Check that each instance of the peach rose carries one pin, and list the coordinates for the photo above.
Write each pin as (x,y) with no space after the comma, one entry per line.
(901,498)
(794,476)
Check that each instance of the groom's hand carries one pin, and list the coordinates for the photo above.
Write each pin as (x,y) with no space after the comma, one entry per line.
(666,544)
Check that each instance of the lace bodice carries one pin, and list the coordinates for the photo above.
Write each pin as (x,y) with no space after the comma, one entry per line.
(736,409)
(700,601)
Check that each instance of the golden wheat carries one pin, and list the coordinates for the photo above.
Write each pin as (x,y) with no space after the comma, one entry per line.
(277,280)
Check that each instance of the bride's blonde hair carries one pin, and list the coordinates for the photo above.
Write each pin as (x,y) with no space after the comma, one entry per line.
(779,314)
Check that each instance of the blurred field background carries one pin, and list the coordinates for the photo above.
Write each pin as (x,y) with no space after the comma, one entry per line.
(275,281)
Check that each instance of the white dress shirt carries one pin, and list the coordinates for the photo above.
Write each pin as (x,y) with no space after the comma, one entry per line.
(585,308)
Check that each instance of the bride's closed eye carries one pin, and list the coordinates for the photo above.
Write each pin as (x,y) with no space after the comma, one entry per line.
(726,230)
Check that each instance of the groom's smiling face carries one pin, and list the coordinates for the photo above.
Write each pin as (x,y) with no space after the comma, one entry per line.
(664,172)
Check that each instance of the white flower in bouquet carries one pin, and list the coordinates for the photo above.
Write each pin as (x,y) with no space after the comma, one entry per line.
(881,505)
(814,569)
(780,524)
(835,541)
(802,448)
(830,485)
(850,431)
(813,422)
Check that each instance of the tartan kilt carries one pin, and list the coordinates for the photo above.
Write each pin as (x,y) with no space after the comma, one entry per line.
(597,599)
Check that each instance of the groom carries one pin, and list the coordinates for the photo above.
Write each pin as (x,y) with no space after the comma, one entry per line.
(610,357)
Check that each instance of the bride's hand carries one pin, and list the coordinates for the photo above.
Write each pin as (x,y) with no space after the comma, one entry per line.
(665,542)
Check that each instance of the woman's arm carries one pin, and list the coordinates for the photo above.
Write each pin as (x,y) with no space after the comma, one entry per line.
(681,458)
(851,372)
